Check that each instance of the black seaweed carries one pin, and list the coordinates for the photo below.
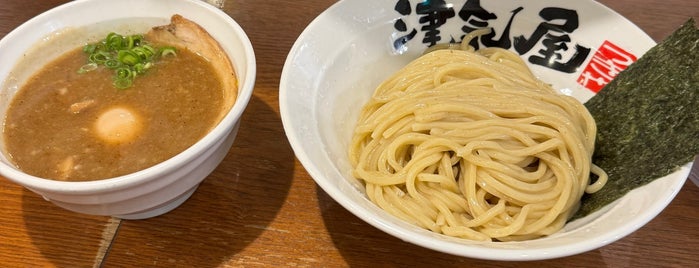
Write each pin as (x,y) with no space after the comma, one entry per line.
(647,118)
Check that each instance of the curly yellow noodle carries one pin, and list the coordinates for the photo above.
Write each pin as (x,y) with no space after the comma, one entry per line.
(470,144)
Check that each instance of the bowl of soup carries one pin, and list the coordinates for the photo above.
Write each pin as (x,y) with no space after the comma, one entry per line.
(432,121)
(125,109)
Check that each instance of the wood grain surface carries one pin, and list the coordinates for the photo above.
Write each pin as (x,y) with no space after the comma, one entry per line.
(260,208)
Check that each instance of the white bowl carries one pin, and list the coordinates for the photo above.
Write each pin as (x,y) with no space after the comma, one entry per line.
(163,187)
(340,58)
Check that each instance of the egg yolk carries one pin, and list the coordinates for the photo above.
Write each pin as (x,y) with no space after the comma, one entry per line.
(118,125)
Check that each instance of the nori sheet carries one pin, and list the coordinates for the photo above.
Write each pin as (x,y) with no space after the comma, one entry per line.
(647,118)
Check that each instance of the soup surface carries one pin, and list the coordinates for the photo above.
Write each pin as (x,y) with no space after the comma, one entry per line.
(67,126)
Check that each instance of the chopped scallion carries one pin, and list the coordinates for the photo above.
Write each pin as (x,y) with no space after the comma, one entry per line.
(165,51)
(129,56)
(88,67)
(112,63)
(123,83)
(124,73)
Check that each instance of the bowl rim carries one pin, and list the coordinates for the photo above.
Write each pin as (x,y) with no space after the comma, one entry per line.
(128,180)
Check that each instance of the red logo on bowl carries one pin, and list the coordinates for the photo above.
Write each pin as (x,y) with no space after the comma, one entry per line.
(607,62)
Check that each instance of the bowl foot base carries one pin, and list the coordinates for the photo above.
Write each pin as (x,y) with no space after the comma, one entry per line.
(159,210)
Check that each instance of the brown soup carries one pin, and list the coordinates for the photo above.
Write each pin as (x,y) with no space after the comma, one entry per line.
(76,127)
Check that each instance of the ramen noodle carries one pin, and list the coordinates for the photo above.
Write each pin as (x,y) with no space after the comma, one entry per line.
(470,144)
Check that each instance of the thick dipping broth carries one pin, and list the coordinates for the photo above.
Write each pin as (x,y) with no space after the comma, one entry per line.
(67,126)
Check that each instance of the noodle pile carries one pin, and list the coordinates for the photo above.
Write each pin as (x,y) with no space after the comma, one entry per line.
(470,144)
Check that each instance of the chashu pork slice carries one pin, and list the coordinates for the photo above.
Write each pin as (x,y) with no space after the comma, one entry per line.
(184,33)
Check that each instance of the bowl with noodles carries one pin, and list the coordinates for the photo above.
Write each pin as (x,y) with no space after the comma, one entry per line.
(480,148)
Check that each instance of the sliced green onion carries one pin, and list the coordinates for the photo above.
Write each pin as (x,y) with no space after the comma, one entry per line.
(124,73)
(150,50)
(141,52)
(140,68)
(166,51)
(129,56)
(134,40)
(99,57)
(145,52)
(122,83)
(88,67)
(90,48)
(112,63)
(115,41)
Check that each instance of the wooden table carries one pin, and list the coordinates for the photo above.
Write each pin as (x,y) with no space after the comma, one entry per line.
(267,211)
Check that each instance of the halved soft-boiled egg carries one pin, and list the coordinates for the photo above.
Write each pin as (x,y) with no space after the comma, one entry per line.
(118,125)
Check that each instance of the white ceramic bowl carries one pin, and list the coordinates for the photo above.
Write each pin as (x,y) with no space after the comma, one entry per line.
(165,186)
(342,56)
